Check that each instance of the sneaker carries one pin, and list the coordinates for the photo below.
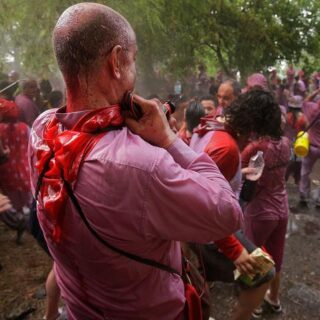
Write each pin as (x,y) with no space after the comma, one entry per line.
(275,307)
(257,313)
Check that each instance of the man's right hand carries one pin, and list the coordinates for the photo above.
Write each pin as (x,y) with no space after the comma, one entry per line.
(153,126)
(245,263)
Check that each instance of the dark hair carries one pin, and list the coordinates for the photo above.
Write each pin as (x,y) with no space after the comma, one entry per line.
(194,113)
(45,87)
(55,98)
(255,112)
(210,97)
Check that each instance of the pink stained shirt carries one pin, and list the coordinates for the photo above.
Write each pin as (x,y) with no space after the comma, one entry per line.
(311,110)
(144,200)
(270,201)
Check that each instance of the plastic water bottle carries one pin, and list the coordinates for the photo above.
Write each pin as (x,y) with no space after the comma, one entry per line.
(256,162)
(177,88)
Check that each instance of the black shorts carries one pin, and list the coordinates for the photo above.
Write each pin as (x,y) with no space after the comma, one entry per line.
(218,267)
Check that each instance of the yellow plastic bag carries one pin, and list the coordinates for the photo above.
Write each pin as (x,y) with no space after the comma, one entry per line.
(301,145)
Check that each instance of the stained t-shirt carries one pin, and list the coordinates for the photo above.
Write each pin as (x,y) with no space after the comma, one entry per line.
(270,201)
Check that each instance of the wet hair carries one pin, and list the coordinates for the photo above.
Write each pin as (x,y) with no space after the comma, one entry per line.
(255,112)
(194,113)
(235,86)
(84,33)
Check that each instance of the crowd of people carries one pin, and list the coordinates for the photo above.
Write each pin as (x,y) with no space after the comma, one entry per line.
(113,198)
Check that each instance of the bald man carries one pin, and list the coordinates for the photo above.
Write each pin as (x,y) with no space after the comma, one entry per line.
(116,187)
(228,91)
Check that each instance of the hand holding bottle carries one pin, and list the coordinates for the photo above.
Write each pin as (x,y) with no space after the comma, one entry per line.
(256,165)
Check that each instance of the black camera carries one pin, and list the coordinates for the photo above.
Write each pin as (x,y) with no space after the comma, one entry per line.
(128,104)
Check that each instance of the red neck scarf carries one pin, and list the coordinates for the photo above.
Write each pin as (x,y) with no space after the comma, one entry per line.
(63,153)
(210,123)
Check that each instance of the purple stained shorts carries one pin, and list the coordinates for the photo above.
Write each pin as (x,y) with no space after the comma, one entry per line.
(268,233)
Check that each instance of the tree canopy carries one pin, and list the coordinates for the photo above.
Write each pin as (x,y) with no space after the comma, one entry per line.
(175,35)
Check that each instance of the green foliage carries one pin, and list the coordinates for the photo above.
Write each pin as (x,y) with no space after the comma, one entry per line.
(175,35)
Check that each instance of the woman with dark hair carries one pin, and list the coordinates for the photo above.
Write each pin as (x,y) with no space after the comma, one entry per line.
(192,115)
(219,139)
(194,112)
(266,214)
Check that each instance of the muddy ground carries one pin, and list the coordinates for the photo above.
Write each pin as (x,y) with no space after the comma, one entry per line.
(25,267)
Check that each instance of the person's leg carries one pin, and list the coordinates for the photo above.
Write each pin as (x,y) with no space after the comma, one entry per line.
(53,296)
(297,172)
(259,232)
(275,246)
(306,168)
(290,170)
(274,289)
(248,301)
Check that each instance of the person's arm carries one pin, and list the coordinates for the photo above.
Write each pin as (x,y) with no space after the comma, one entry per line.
(230,247)
(187,198)
(225,153)
(247,153)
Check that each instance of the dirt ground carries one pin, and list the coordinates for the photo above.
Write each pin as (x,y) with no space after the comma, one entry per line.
(25,267)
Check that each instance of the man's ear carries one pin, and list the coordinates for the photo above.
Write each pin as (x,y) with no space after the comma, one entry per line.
(115,61)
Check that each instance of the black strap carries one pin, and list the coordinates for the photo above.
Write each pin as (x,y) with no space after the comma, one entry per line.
(41,176)
(131,256)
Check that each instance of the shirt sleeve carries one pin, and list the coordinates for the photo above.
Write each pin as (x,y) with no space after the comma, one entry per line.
(230,247)
(188,199)
(246,154)
(224,152)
